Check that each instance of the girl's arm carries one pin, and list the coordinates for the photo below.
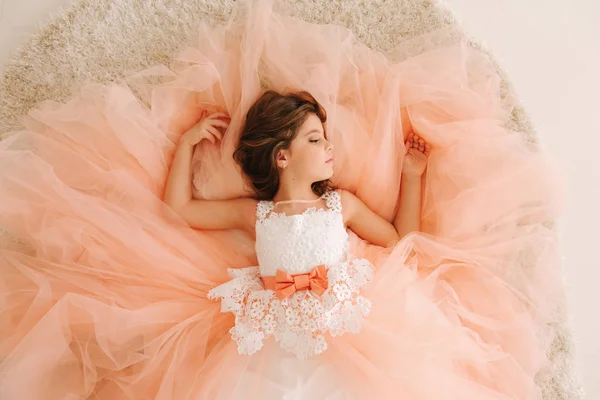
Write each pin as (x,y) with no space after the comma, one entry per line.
(408,217)
(377,230)
(204,214)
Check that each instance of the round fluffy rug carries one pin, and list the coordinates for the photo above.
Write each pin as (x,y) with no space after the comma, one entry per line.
(105,40)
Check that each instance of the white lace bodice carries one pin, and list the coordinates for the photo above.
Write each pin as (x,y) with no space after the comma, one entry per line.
(296,244)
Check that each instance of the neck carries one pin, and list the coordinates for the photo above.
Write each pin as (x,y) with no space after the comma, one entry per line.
(289,192)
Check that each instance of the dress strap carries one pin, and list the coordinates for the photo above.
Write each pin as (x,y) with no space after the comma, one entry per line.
(263,208)
(333,200)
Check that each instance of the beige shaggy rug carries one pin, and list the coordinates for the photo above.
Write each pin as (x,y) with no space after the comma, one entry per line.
(104,40)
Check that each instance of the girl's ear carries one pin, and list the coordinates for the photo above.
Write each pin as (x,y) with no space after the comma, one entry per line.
(282,159)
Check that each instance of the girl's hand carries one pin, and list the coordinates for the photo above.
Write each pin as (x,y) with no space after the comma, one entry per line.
(417,153)
(207,128)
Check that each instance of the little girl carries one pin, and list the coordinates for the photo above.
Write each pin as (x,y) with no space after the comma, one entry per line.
(230,239)
(306,284)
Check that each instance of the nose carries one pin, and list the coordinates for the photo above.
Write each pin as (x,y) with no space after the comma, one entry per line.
(329,147)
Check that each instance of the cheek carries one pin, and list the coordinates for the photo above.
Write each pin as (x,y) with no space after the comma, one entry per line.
(316,157)
(309,158)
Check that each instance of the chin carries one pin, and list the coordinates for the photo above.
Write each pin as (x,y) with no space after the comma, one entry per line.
(323,175)
(327,175)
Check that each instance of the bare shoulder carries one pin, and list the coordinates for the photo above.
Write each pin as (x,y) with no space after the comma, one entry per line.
(350,203)
(348,198)
(245,203)
(245,208)
(366,223)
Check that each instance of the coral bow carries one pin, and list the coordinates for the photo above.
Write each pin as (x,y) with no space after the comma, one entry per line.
(285,284)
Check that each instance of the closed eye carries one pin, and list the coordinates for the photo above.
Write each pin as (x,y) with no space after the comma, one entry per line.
(315,140)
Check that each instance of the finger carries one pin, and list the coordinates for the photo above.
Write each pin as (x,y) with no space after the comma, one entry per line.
(418,155)
(421,142)
(220,123)
(210,138)
(427,149)
(218,115)
(415,154)
(421,148)
(214,132)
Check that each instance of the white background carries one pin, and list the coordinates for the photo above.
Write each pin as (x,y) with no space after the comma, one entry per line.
(551,50)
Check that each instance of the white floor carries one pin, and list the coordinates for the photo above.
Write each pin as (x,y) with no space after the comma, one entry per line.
(550,49)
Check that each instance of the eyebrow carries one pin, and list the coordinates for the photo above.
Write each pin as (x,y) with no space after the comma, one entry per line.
(312,131)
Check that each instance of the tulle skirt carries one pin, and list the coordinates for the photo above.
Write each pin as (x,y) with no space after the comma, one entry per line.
(103,292)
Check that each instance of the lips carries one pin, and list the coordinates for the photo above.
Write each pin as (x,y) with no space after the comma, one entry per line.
(330,160)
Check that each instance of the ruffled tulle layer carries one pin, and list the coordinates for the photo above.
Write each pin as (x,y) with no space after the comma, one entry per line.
(104,292)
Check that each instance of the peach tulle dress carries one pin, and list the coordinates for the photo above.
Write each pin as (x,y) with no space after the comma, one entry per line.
(103,295)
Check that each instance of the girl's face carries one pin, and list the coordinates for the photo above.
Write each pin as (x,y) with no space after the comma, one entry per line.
(310,156)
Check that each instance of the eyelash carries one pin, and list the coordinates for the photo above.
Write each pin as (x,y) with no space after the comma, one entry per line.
(315,141)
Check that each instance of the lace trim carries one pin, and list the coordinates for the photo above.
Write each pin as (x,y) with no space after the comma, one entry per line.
(299,322)
(333,202)
(263,208)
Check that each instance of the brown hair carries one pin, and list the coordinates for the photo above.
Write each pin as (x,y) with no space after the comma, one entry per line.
(271,125)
